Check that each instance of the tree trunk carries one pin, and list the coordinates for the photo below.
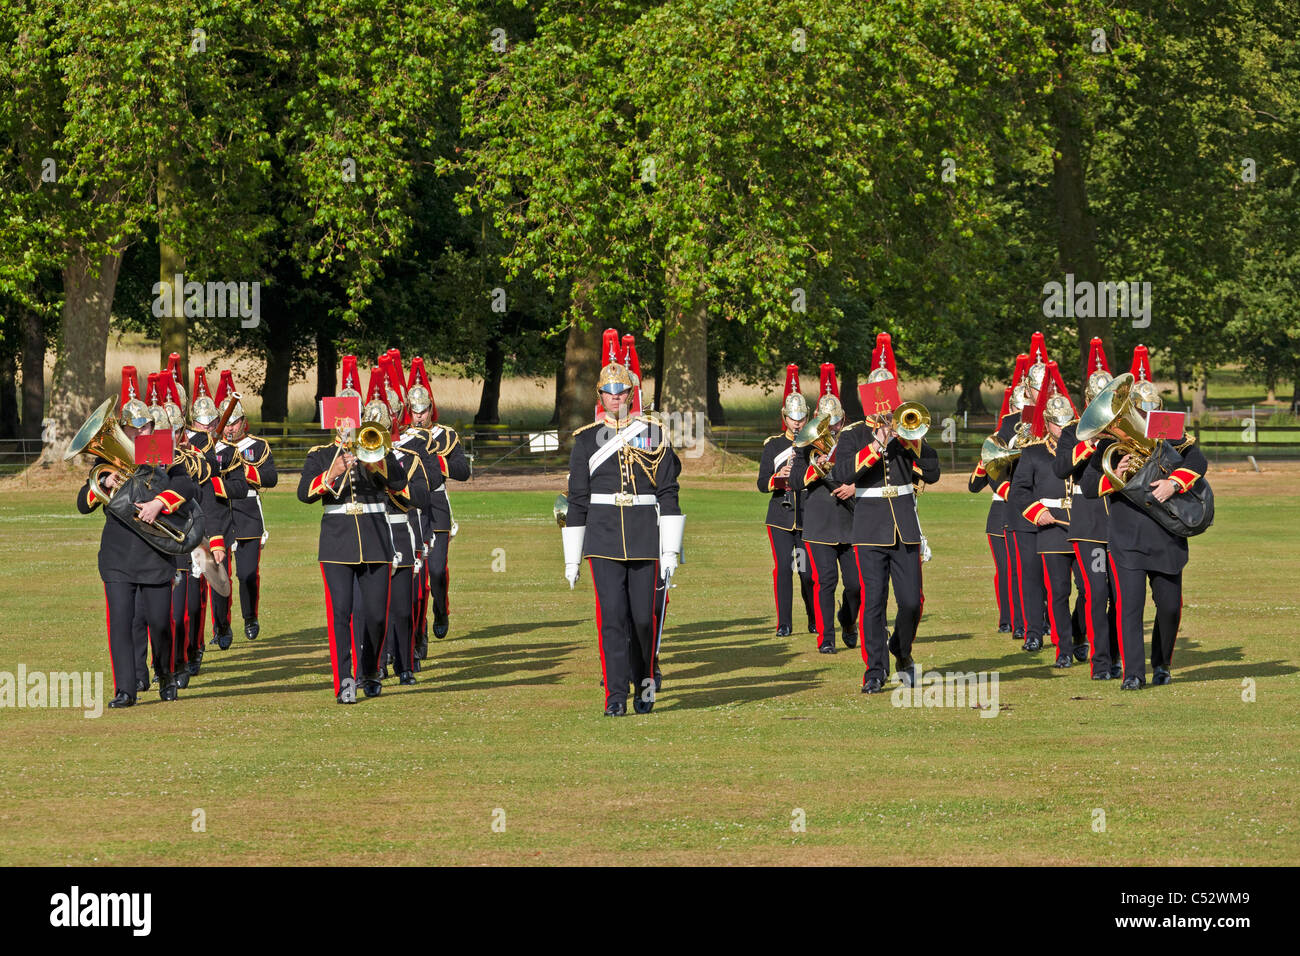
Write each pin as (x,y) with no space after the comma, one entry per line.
(686,357)
(8,396)
(1270,386)
(1178,379)
(1076,231)
(577,400)
(969,400)
(716,414)
(849,393)
(279,367)
(490,401)
(327,360)
(1200,397)
(88,287)
(173,330)
(33,374)
(559,390)
(659,365)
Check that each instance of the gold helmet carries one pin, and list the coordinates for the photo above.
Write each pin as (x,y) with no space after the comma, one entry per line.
(204,410)
(1037,373)
(828,404)
(417,399)
(879,375)
(377,411)
(1147,396)
(1058,410)
(1096,382)
(1019,398)
(615,379)
(795,407)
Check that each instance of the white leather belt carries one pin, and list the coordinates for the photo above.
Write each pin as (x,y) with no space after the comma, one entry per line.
(252,493)
(888,491)
(998,497)
(356,508)
(1051,502)
(398,519)
(623,499)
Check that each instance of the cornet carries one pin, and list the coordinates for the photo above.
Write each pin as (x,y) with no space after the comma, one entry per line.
(911,421)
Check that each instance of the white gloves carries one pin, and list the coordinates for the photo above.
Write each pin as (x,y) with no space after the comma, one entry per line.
(572,539)
(671,528)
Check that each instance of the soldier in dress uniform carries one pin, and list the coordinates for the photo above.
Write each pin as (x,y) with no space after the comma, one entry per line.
(995,529)
(1043,500)
(250,528)
(1089,532)
(828,525)
(885,470)
(446,450)
(136,575)
(623,516)
(227,486)
(356,547)
(785,509)
(1141,550)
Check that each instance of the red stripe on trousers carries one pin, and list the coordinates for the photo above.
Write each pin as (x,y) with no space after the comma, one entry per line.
(1020,586)
(817,593)
(108,623)
(997,587)
(1051,611)
(600,641)
(776,566)
(1087,600)
(1119,611)
(862,613)
(329,624)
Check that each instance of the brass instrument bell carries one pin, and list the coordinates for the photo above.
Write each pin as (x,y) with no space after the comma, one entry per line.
(1114,411)
(911,420)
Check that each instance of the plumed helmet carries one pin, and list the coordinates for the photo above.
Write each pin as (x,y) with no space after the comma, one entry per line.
(1059,411)
(1147,396)
(418,399)
(828,404)
(795,407)
(204,410)
(377,411)
(615,379)
(1096,382)
(1037,373)
(1019,398)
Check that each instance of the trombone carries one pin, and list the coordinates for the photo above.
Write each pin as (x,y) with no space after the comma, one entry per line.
(370,443)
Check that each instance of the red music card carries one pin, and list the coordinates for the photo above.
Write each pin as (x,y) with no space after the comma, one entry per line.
(1168,425)
(340,412)
(155,449)
(879,397)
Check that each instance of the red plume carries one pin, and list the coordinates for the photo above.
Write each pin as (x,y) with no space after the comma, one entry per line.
(829,385)
(633,364)
(351,376)
(130,384)
(883,356)
(1006,403)
(399,376)
(151,389)
(200,383)
(1039,425)
(1037,348)
(1097,357)
(609,347)
(418,375)
(1053,378)
(1141,364)
(791,386)
(375,390)
(226,386)
(169,387)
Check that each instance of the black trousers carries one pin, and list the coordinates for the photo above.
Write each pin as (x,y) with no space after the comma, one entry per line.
(247,563)
(439,574)
(879,567)
(625,624)
(1056,584)
(1002,578)
(196,609)
(182,583)
(831,563)
(127,638)
(1091,566)
(788,555)
(1031,596)
(221,604)
(401,618)
(358,642)
(1130,603)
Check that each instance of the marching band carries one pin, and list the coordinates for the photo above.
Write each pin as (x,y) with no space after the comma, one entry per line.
(1102,500)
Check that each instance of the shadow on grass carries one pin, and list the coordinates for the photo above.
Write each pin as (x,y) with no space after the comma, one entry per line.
(504,630)
(735,690)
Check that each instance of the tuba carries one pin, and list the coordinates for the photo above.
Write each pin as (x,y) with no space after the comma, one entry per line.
(817,435)
(911,420)
(997,457)
(102,436)
(1113,411)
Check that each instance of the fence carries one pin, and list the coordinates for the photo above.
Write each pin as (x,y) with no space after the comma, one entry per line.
(512,449)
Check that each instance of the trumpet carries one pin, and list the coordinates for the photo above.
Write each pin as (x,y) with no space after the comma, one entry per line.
(1114,411)
(373,443)
(912,420)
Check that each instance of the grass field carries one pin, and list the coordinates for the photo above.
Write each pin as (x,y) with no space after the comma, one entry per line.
(748,729)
